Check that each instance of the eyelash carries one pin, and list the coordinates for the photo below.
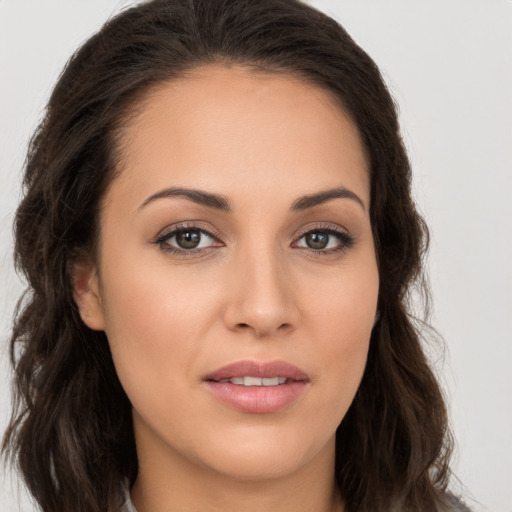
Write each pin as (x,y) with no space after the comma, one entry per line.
(346,241)
(163,239)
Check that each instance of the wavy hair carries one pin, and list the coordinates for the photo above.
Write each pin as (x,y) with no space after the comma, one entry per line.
(71,432)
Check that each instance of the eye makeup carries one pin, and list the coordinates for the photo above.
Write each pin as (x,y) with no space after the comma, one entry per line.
(188,239)
(324,239)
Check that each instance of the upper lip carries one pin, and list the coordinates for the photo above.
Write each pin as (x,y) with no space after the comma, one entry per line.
(258,369)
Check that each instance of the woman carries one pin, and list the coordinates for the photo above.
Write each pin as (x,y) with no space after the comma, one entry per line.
(219,238)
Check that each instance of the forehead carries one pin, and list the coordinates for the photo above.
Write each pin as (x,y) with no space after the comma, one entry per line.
(234,130)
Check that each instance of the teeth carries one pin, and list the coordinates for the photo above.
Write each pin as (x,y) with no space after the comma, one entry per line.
(252,381)
(256,381)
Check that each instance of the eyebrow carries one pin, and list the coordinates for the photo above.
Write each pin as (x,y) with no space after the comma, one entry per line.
(219,202)
(305,202)
(215,201)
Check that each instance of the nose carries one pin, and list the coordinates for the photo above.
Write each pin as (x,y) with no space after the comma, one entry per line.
(261,297)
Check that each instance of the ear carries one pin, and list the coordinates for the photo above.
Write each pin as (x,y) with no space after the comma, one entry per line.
(86,292)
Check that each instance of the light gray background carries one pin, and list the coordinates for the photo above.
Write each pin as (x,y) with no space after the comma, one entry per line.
(449,66)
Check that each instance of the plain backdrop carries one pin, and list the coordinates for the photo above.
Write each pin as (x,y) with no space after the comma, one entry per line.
(448,63)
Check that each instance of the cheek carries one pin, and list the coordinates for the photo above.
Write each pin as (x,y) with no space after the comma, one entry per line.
(344,315)
(154,321)
(345,306)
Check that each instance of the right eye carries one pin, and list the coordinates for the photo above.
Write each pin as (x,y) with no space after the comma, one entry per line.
(187,239)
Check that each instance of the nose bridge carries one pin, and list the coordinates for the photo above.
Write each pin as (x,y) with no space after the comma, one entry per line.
(262,299)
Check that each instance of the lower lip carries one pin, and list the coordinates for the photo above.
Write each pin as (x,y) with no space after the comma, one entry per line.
(257,399)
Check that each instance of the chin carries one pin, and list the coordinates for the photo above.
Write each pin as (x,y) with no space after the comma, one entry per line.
(253,456)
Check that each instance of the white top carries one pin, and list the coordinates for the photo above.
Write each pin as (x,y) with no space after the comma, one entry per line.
(127,505)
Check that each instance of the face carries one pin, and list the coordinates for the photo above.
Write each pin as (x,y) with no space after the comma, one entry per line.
(236,279)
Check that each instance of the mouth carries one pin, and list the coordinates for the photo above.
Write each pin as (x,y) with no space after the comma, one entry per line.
(248,380)
(254,387)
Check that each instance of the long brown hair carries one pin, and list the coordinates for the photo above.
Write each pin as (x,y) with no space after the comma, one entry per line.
(71,429)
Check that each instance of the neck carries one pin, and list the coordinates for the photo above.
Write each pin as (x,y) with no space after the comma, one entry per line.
(169,482)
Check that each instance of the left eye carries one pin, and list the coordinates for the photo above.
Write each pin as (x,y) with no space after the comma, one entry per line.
(187,239)
(321,240)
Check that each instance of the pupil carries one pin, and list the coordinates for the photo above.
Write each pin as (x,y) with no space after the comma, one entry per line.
(188,239)
(317,240)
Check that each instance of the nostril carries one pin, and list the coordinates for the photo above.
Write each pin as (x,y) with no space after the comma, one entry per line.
(245,326)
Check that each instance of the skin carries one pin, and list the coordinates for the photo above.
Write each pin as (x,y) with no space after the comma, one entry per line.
(255,290)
